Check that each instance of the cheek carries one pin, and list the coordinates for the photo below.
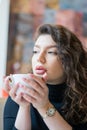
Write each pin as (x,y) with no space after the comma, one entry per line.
(33,62)
(56,66)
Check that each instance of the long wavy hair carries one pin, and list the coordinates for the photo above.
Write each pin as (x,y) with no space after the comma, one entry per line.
(74,61)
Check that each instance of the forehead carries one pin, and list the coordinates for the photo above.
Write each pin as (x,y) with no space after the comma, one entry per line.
(45,40)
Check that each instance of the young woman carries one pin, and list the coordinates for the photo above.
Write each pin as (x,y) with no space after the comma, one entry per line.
(58,98)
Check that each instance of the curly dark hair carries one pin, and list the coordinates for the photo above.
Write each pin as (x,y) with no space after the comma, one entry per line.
(74,61)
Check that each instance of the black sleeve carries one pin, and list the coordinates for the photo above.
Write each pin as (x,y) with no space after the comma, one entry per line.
(80,127)
(9,115)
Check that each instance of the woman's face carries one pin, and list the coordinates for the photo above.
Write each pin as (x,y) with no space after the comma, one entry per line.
(45,60)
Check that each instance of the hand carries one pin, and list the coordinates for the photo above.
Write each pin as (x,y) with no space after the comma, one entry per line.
(6,85)
(18,98)
(38,95)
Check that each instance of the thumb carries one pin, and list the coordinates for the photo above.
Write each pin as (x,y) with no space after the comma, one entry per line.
(45,77)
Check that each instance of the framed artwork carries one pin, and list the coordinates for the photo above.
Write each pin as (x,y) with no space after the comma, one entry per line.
(20,43)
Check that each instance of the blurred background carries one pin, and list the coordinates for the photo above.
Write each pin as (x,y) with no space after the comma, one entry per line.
(22,17)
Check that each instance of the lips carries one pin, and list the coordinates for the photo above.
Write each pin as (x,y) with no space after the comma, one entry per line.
(40,70)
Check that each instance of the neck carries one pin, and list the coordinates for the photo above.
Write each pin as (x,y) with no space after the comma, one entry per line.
(58,81)
(56,92)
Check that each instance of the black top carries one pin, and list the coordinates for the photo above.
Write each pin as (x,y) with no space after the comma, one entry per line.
(56,95)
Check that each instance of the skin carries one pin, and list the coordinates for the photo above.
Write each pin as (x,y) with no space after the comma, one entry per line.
(45,55)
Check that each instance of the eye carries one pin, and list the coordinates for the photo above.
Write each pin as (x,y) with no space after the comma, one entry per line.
(52,52)
(34,52)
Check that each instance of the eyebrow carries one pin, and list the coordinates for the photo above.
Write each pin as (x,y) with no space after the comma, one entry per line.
(52,46)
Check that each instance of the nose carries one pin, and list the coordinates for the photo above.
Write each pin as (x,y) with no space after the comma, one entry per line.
(41,58)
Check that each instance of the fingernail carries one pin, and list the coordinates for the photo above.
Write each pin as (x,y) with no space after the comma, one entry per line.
(21,86)
(21,94)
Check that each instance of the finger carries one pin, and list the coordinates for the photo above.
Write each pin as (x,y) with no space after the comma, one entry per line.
(6,80)
(44,77)
(39,80)
(6,86)
(33,84)
(31,92)
(12,92)
(18,97)
(29,98)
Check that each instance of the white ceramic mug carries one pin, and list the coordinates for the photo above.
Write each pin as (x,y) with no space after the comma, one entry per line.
(18,78)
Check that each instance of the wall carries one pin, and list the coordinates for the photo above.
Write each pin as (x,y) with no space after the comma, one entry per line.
(4,16)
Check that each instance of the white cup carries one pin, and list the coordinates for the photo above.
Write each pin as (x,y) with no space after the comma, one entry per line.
(18,78)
